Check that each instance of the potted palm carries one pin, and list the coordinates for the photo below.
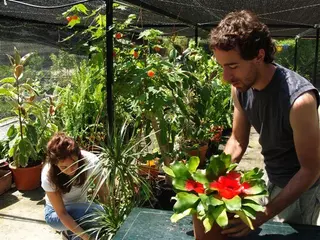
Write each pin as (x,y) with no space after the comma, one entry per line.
(28,138)
(211,195)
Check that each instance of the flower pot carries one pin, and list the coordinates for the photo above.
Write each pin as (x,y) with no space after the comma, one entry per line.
(213,234)
(26,178)
(4,165)
(146,170)
(5,181)
(200,152)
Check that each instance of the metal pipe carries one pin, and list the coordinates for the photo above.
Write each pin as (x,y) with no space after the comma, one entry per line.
(295,54)
(109,77)
(316,58)
(196,35)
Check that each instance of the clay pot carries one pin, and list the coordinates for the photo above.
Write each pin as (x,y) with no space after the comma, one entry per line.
(200,152)
(213,234)
(5,181)
(26,178)
(146,170)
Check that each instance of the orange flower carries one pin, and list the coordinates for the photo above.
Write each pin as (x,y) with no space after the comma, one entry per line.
(135,54)
(157,49)
(118,35)
(151,73)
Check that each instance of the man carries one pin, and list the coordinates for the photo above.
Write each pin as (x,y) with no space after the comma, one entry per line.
(282,107)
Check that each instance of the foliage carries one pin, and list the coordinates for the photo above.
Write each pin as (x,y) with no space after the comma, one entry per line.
(81,104)
(216,191)
(305,55)
(117,168)
(35,126)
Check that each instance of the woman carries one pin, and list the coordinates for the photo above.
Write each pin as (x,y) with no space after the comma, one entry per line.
(66,200)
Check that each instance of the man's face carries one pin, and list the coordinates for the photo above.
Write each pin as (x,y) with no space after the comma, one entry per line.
(242,74)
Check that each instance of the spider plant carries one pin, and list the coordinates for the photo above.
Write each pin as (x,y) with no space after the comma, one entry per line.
(118,170)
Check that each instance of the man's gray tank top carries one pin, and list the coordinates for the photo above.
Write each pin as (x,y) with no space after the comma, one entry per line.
(268,112)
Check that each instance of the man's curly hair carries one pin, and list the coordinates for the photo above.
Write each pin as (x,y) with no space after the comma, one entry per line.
(242,30)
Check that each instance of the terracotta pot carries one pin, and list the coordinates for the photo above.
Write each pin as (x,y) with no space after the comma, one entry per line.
(213,234)
(5,181)
(26,178)
(146,170)
(200,152)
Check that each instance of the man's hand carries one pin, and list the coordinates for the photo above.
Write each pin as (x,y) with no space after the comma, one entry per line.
(237,228)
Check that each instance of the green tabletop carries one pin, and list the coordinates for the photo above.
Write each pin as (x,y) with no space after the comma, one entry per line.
(147,224)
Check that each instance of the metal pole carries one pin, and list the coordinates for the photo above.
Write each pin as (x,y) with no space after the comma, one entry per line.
(109,79)
(196,34)
(295,54)
(316,58)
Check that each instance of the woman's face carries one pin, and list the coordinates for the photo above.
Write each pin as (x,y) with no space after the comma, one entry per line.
(68,166)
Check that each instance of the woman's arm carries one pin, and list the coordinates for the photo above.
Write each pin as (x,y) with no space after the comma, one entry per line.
(65,218)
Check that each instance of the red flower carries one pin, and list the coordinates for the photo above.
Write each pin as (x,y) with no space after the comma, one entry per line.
(245,186)
(74,17)
(229,186)
(234,175)
(192,185)
(118,35)
(151,73)
(135,54)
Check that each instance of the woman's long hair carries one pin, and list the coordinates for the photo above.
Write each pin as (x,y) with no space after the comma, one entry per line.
(59,148)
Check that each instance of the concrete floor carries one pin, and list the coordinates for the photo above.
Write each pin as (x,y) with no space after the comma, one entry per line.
(21,213)
(21,216)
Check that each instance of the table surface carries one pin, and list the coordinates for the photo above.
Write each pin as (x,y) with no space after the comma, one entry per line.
(147,224)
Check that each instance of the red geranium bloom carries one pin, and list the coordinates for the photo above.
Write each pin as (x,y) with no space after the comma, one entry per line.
(192,185)
(245,186)
(227,187)
(234,175)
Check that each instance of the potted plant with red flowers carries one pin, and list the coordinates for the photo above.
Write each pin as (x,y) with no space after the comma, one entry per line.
(214,194)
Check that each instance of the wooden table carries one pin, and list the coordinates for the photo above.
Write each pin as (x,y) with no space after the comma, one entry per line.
(152,224)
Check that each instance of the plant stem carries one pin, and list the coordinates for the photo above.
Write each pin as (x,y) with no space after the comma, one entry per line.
(19,108)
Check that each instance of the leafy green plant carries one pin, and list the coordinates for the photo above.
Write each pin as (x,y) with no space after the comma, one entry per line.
(117,169)
(215,191)
(35,126)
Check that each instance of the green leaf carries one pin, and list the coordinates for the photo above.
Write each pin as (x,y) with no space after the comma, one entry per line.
(254,174)
(249,212)
(32,134)
(200,177)
(179,183)
(207,223)
(253,205)
(233,204)
(25,58)
(168,171)
(177,216)
(220,215)
(201,208)
(180,170)
(245,219)
(185,201)
(193,164)
(8,80)
(256,189)
(214,201)
(215,168)
(5,92)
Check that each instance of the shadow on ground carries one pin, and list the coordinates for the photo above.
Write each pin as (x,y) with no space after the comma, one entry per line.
(8,199)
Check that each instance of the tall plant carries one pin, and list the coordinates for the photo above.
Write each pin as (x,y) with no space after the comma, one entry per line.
(118,170)
(35,124)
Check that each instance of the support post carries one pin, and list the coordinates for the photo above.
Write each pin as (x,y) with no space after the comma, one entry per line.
(109,78)
(196,35)
(316,58)
(295,53)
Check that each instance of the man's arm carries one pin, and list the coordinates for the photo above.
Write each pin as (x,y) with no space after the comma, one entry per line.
(305,125)
(239,139)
